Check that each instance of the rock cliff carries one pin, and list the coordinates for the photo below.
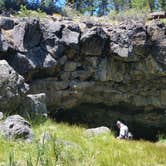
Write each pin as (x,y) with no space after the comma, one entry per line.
(74,63)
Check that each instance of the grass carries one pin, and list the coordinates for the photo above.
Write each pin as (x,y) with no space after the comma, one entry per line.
(103,150)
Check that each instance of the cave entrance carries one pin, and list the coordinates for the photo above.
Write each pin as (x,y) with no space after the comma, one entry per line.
(145,125)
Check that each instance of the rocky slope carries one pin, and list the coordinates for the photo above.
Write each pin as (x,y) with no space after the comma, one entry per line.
(77,63)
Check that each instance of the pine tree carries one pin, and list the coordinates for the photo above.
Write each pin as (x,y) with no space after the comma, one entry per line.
(162,5)
(103,7)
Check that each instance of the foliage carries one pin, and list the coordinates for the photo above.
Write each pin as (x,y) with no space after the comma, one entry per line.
(24,12)
(139,4)
(132,14)
(99,150)
(2,4)
(68,11)
(162,4)
(86,7)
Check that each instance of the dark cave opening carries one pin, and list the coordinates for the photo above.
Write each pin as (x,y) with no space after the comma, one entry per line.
(146,125)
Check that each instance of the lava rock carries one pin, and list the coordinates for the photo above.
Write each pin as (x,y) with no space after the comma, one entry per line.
(27,34)
(129,42)
(94,42)
(12,87)
(35,58)
(16,127)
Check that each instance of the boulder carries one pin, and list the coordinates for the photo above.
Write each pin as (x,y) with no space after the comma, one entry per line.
(27,34)
(97,131)
(16,127)
(94,42)
(51,29)
(12,87)
(51,35)
(70,39)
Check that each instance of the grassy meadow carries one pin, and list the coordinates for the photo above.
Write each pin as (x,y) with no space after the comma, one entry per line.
(103,150)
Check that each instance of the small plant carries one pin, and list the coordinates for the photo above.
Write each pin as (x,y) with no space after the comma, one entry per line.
(162,138)
(11,159)
(163,21)
(29,162)
(24,12)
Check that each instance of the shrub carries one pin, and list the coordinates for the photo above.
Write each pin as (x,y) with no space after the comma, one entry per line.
(24,12)
(131,14)
(68,11)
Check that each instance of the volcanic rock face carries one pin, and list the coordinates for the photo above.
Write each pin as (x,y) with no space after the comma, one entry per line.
(121,65)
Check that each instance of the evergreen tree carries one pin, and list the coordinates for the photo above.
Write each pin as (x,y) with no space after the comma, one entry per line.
(103,7)
(162,5)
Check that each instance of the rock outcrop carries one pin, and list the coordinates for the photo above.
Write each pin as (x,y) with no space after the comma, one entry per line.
(12,87)
(122,65)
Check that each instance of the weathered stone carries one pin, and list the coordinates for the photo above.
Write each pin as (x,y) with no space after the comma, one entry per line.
(94,42)
(51,29)
(27,35)
(129,43)
(97,131)
(33,59)
(12,86)
(70,38)
(16,127)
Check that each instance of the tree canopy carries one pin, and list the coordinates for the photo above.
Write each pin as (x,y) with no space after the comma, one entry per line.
(92,7)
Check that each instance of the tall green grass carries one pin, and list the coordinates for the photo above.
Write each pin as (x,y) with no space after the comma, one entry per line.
(103,150)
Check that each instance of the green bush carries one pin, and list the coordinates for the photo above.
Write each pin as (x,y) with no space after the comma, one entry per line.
(24,12)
